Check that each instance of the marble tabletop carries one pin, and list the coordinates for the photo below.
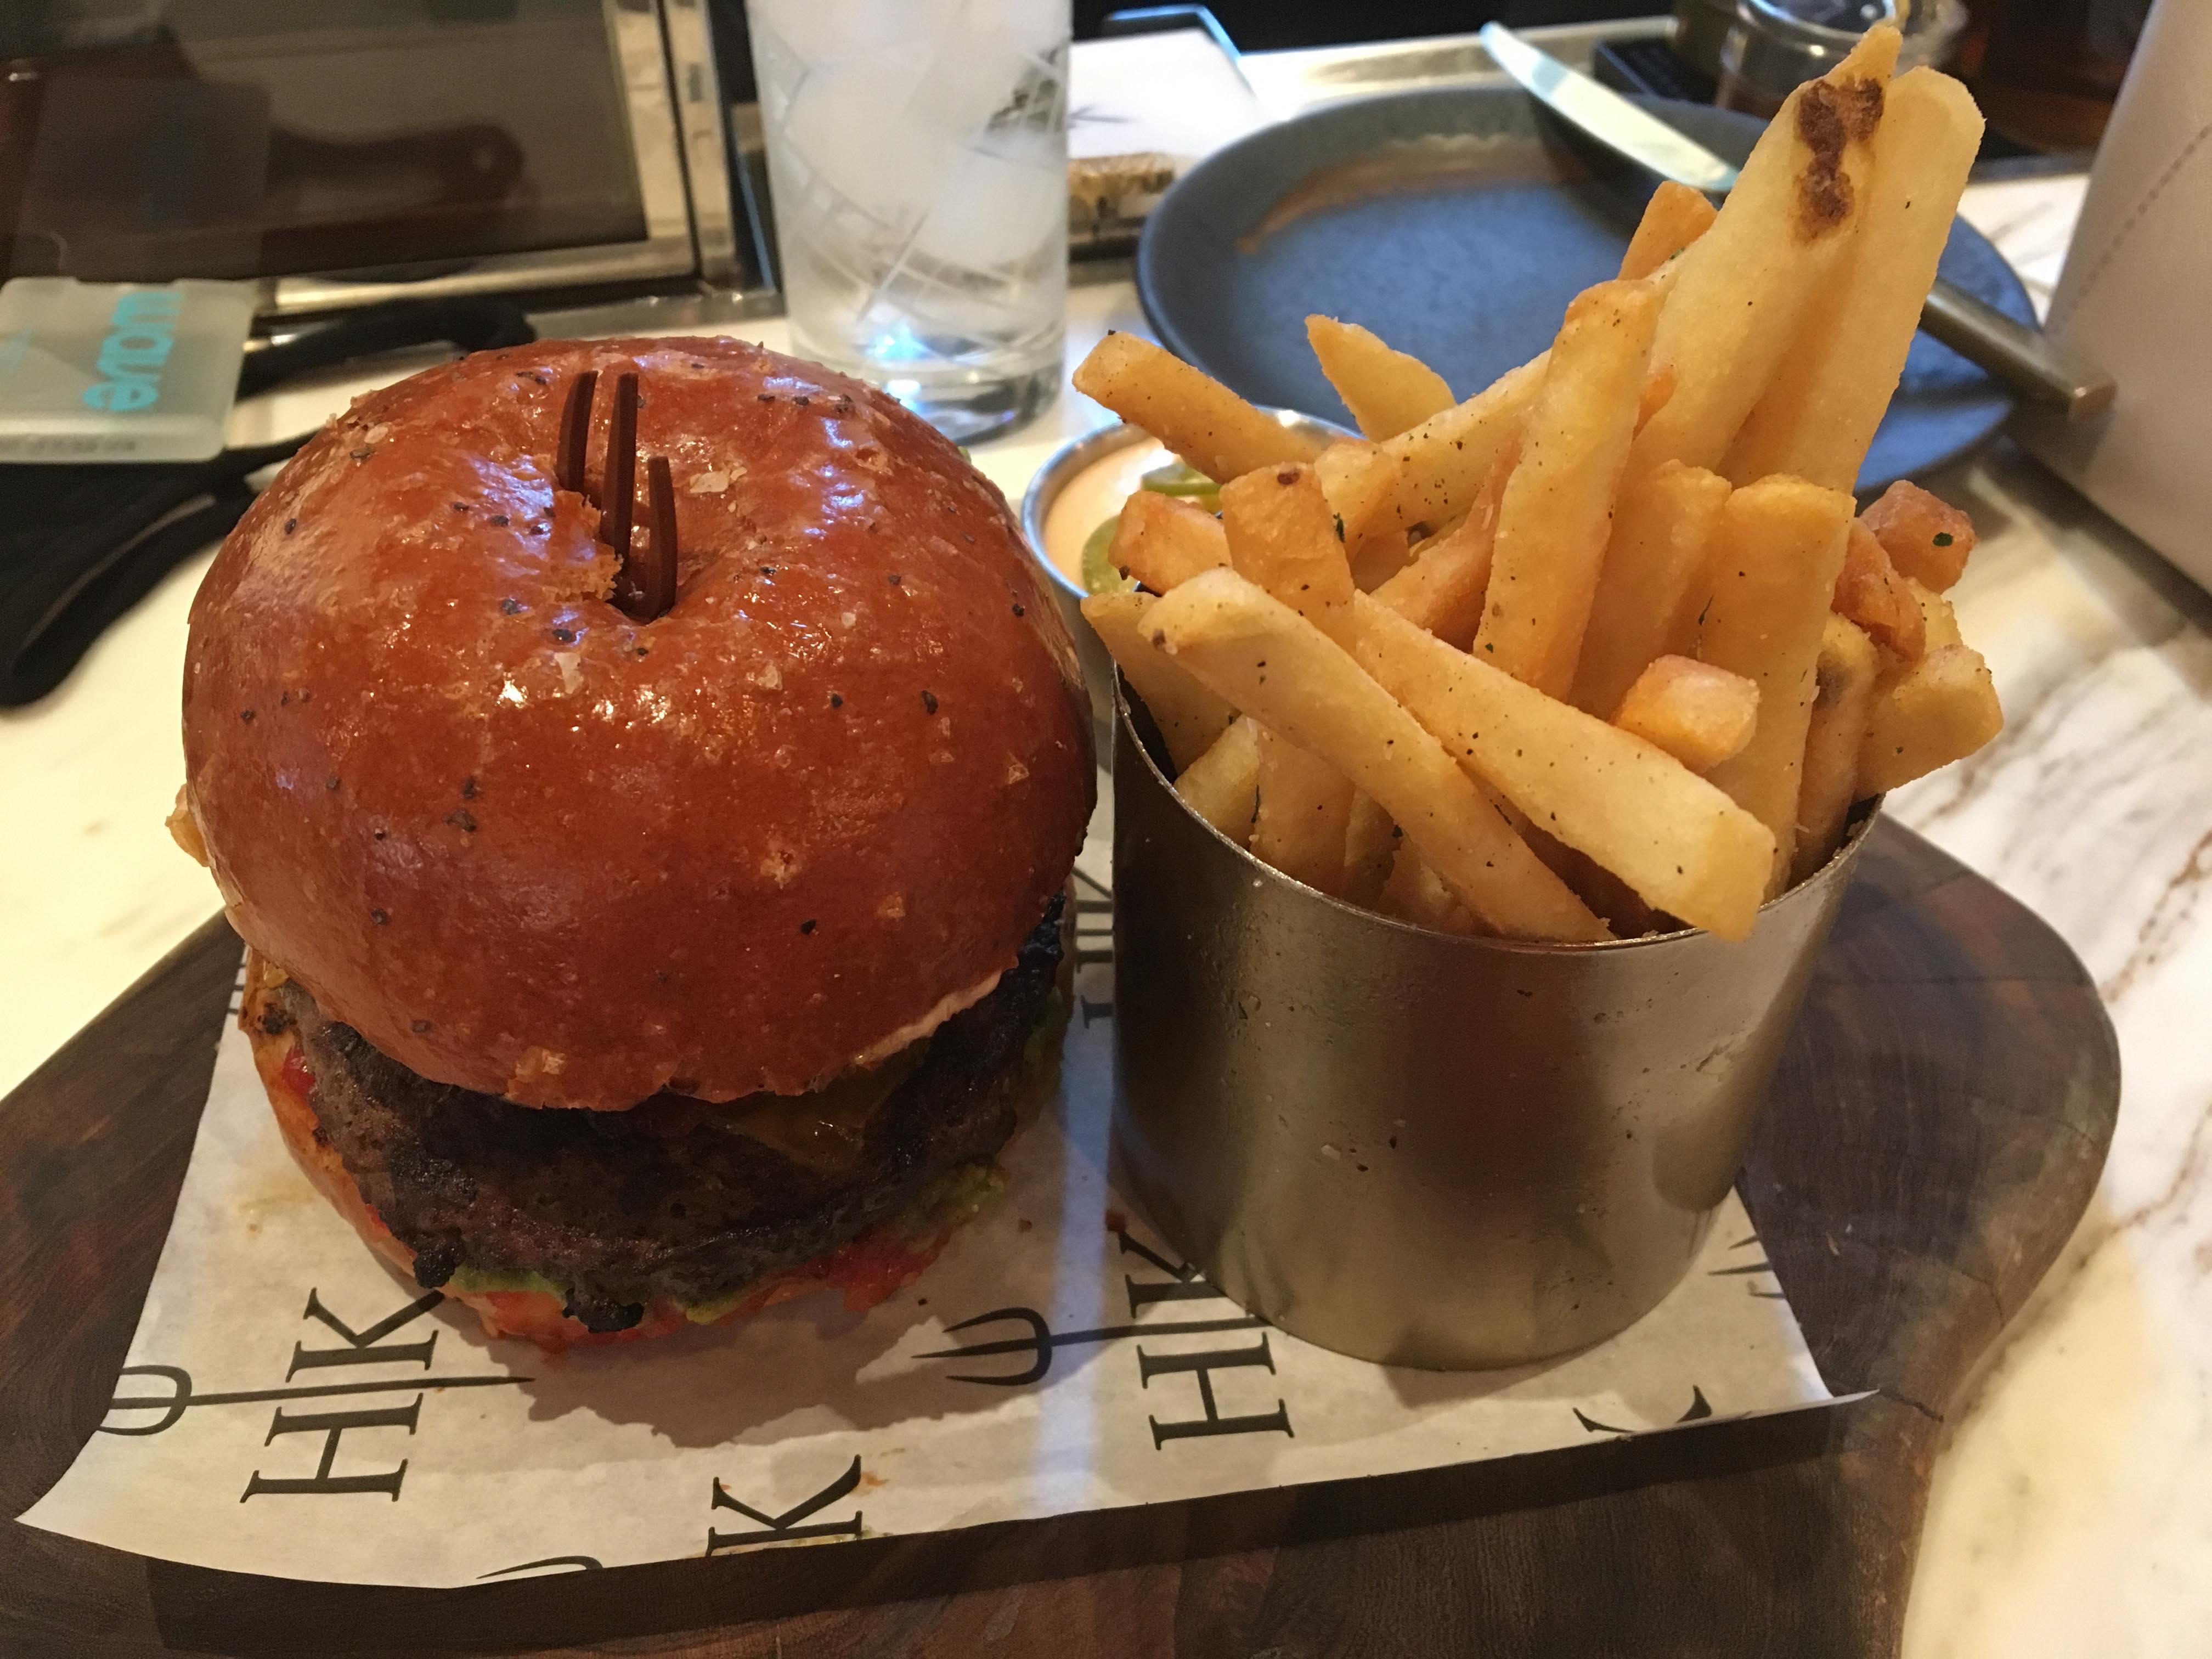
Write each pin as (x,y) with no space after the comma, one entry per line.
(2070,1513)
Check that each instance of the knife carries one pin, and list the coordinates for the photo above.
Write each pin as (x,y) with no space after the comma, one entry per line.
(2023,358)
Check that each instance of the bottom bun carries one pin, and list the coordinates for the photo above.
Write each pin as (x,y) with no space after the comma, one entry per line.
(866,1269)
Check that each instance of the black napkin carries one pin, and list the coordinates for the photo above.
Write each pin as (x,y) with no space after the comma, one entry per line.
(81,544)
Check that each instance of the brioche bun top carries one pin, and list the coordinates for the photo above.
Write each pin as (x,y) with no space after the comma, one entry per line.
(529,845)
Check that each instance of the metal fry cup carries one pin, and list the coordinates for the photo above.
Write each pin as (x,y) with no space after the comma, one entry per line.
(1418,1148)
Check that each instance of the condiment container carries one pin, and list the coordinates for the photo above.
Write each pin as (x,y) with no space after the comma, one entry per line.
(1774,47)
(1060,470)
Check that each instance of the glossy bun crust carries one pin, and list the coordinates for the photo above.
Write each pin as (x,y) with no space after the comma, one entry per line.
(530,847)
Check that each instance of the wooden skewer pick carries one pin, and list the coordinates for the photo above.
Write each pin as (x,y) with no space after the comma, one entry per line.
(658,580)
(618,478)
(645,588)
(575,426)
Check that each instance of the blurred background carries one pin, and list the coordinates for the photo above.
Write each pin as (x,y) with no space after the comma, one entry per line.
(559,145)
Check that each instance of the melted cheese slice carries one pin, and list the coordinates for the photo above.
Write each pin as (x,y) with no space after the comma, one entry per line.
(822,1130)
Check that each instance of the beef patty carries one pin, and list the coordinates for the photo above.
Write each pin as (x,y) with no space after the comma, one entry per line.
(615,1208)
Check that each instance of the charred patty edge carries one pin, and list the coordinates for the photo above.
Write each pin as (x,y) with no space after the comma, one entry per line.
(615,1215)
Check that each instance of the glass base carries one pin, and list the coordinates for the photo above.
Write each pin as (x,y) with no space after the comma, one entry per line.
(970,411)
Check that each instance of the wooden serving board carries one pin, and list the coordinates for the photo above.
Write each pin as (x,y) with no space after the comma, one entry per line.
(1937,1128)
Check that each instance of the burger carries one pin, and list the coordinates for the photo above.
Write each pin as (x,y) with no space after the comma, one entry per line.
(619,963)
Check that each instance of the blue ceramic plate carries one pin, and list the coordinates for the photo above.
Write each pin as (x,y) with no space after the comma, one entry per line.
(1457,223)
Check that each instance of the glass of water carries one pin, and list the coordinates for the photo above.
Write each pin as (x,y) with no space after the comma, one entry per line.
(917,160)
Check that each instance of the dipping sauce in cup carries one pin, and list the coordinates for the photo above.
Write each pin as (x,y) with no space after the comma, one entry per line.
(1081,517)
(1073,501)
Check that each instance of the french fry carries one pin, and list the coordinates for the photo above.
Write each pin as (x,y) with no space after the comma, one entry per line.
(1742,289)
(1820,411)
(1378,558)
(1926,538)
(1937,710)
(1282,535)
(1618,905)
(1258,653)
(1556,513)
(1483,653)
(1775,553)
(1202,420)
(1675,216)
(1222,785)
(1442,590)
(1676,839)
(1871,593)
(1371,845)
(1701,714)
(1305,811)
(1190,717)
(1848,667)
(1938,621)
(1162,541)
(1443,462)
(1653,585)
(1275,525)
(1417,894)
(1356,475)
(1386,390)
